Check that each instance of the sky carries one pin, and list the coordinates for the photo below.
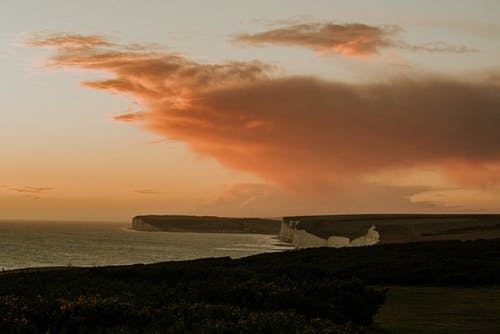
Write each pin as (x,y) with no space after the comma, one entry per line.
(111,109)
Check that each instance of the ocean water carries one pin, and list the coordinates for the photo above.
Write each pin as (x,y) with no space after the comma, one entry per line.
(39,244)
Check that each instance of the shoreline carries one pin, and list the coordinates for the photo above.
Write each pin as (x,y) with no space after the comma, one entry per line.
(281,247)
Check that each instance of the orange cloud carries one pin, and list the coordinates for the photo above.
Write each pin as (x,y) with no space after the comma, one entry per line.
(350,39)
(243,194)
(299,132)
(480,174)
(69,41)
(32,190)
(146,191)
(264,200)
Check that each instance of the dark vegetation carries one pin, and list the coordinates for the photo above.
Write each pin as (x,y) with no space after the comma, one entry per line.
(440,310)
(203,224)
(213,295)
(309,291)
(466,229)
(459,263)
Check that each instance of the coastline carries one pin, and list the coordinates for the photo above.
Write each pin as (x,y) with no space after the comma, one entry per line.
(397,280)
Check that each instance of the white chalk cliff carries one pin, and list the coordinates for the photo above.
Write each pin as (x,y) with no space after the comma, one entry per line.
(291,232)
(139,224)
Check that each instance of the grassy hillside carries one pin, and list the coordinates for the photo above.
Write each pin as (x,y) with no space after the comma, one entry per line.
(464,263)
(212,224)
(320,290)
(403,228)
(440,310)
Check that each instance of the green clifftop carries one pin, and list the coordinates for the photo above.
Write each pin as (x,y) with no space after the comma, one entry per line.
(401,228)
(205,224)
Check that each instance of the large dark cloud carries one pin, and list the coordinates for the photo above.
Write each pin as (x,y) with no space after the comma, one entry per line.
(300,132)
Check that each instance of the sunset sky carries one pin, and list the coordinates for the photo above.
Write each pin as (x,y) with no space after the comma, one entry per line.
(115,108)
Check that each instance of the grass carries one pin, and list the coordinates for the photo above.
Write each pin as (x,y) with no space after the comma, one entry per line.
(434,287)
(436,310)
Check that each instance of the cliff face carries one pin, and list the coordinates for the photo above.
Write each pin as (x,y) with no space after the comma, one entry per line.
(292,231)
(303,239)
(139,224)
(287,230)
(370,238)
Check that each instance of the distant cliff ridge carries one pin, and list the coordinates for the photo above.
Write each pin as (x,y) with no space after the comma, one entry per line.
(205,224)
(338,230)
(370,229)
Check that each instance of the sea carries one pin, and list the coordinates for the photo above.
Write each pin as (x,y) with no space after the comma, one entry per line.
(46,244)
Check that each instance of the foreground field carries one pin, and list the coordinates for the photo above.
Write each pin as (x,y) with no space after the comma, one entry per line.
(320,290)
(443,310)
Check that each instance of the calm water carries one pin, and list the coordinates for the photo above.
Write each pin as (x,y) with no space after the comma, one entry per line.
(33,244)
